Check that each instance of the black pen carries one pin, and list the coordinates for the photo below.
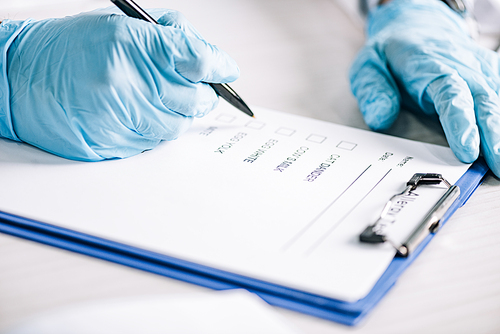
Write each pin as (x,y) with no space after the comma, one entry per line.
(130,8)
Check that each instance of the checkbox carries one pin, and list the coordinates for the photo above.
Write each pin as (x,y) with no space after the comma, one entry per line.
(285,131)
(316,138)
(255,125)
(345,145)
(225,118)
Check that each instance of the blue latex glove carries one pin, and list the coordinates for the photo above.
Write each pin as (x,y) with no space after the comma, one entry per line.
(99,86)
(420,56)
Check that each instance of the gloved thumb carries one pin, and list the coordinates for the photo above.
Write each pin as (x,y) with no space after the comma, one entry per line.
(375,89)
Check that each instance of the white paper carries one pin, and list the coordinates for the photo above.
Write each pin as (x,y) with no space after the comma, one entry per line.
(280,198)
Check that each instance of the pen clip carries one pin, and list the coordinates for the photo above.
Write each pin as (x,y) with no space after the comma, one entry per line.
(430,224)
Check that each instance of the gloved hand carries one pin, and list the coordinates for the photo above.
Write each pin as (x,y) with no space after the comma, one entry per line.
(99,86)
(419,55)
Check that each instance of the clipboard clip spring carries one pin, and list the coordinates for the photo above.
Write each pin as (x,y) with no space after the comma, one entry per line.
(374,234)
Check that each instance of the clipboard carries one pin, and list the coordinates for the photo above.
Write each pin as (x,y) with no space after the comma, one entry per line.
(348,313)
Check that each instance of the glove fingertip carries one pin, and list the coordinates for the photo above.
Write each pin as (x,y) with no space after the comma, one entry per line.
(467,156)
(467,148)
(227,69)
(380,113)
(375,89)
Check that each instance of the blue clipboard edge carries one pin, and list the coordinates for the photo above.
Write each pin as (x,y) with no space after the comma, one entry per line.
(319,306)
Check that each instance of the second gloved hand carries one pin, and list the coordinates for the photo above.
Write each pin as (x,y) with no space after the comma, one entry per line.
(419,55)
(99,86)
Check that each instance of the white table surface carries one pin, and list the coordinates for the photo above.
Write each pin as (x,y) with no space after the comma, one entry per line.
(294,56)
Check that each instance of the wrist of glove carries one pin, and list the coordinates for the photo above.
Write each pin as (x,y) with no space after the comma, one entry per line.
(100,86)
(419,56)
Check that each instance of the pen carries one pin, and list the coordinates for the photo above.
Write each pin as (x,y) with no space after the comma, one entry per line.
(130,8)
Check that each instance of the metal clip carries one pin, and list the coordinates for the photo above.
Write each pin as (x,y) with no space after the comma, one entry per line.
(430,224)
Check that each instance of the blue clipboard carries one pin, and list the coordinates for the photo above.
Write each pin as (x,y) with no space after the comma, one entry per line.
(316,305)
